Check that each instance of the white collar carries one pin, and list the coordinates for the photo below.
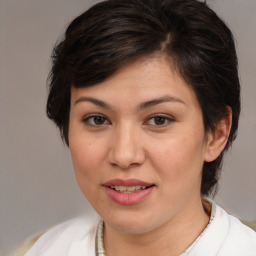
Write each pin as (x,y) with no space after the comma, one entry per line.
(100,241)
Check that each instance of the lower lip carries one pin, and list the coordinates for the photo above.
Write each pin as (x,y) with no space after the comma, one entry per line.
(128,198)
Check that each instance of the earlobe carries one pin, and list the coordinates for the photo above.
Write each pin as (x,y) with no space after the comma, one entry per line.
(217,139)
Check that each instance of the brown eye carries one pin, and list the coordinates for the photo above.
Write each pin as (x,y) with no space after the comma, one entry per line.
(159,120)
(96,120)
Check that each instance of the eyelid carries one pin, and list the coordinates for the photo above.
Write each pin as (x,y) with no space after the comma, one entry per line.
(169,119)
(88,117)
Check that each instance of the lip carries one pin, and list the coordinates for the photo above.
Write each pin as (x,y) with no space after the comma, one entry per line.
(129,182)
(133,198)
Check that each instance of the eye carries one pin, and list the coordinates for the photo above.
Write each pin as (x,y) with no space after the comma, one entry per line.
(96,120)
(160,120)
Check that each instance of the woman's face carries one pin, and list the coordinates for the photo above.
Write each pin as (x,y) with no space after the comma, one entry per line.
(138,145)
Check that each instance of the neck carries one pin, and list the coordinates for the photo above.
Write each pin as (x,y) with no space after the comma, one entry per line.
(171,239)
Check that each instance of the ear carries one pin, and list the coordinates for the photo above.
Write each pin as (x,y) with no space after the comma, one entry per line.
(217,140)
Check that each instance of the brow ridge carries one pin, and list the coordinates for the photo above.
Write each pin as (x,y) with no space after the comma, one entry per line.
(141,106)
(160,100)
(96,102)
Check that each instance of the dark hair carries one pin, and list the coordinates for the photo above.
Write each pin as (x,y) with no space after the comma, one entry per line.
(112,33)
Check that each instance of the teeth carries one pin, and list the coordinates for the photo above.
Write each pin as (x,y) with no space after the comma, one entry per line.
(130,189)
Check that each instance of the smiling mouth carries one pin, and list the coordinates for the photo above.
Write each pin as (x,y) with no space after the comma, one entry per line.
(128,192)
(129,189)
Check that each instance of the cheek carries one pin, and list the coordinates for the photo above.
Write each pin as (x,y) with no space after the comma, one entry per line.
(86,150)
(179,159)
(87,157)
(86,164)
(179,168)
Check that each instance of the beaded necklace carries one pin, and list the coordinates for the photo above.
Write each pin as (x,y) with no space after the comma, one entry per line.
(100,243)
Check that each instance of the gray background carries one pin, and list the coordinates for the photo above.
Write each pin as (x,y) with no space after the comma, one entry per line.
(37,185)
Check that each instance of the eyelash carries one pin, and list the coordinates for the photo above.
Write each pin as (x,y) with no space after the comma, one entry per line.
(167,120)
(92,118)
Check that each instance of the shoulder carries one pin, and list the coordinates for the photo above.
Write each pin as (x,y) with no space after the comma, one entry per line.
(24,247)
(237,238)
(225,235)
(63,238)
(240,238)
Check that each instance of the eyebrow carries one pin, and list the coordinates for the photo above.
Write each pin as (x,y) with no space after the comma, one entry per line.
(96,102)
(141,106)
(157,101)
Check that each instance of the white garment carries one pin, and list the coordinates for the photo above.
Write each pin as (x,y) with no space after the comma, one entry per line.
(224,236)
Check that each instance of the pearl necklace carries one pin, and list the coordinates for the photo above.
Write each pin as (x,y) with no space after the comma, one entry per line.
(100,244)
(213,213)
(99,239)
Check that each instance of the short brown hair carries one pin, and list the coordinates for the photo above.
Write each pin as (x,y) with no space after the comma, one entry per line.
(111,33)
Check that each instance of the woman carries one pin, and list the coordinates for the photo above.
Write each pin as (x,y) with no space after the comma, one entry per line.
(146,95)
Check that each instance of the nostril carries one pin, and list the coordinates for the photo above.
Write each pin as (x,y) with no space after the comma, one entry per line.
(126,155)
(125,166)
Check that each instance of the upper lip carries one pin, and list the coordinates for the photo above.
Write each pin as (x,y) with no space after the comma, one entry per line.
(127,183)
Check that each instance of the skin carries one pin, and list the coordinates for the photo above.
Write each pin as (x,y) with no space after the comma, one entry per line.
(128,141)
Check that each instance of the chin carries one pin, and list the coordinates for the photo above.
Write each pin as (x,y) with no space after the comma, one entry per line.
(131,228)
(132,223)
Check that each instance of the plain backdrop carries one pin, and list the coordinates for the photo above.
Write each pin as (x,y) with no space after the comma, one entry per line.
(37,185)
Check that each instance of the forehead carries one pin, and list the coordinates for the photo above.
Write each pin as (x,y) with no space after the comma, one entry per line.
(138,81)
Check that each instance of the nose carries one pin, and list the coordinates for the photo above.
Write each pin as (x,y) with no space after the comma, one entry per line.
(126,149)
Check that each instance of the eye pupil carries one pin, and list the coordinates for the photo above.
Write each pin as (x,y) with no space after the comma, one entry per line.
(99,120)
(159,120)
